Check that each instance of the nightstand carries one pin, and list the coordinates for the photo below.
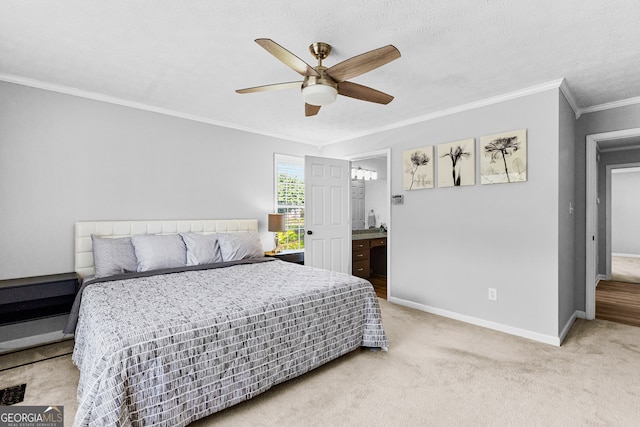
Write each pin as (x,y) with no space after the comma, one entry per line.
(294,257)
(31,298)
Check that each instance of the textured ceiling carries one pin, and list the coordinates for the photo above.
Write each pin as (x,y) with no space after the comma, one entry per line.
(188,57)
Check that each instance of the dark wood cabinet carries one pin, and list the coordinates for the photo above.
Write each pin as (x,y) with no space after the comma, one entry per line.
(378,242)
(378,256)
(369,256)
(360,265)
(36,297)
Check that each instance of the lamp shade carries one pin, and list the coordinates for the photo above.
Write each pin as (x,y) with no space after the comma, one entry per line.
(276,222)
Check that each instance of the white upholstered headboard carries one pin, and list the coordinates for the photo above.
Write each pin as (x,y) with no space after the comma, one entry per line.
(84,230)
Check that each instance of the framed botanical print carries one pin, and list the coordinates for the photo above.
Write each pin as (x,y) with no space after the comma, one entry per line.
(503,157)
(418,168)
(457,163)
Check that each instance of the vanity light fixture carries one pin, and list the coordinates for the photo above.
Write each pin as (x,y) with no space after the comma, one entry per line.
(365,174)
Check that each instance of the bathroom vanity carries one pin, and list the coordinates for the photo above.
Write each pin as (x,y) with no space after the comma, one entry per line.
(369,253)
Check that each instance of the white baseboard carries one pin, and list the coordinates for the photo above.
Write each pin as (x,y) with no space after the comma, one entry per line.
(600,277)
(535,336)
(627,255)
(578,314)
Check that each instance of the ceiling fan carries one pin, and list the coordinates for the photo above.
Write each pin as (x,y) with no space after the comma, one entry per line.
(321,85)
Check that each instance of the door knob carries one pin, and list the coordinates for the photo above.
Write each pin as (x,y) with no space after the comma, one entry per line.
(309,232)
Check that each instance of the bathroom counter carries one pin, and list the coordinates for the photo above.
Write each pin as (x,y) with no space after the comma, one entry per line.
(368,234)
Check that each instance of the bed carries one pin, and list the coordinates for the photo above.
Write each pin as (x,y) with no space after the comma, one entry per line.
(167,345)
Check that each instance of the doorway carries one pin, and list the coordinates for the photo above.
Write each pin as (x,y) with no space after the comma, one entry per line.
(622,213)
(371,217)
(616,140)
(618,297)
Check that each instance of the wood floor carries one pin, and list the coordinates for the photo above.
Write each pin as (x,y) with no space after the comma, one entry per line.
(618,302)
(379,283)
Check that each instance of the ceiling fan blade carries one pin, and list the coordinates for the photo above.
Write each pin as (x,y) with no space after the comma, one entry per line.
(364,93)
(277,86)
(311,110)
(288,58)
(360,64)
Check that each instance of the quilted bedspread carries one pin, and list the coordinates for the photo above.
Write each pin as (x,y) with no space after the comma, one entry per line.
(169,349)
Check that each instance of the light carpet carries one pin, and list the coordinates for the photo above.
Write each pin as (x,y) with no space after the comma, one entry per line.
(437,372)
(625,269)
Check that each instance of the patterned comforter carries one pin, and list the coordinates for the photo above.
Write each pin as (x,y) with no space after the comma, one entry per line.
(169,349)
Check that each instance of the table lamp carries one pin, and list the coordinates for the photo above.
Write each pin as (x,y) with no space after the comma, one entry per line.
(276,225)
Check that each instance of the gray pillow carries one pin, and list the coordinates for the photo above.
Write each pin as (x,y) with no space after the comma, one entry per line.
(237,246)
(157,251)
(113,256)
(202,248)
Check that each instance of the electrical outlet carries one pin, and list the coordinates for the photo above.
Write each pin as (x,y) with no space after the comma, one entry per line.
(493,294)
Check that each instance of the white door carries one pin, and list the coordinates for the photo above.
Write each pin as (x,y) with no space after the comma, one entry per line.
(327,221)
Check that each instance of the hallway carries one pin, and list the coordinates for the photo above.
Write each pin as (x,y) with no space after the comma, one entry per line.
(625,269)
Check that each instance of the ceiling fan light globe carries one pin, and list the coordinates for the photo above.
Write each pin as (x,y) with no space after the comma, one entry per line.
(319,95)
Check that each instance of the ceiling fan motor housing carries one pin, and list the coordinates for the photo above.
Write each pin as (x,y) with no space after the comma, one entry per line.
(320,50)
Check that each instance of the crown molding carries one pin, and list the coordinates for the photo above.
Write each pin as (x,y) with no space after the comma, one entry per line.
(610,105)
(138,105)
(555,84)
(564,88)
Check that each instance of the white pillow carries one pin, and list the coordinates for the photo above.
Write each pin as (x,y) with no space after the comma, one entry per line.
(242,245)
(202,248)
(113,256)
(157,251)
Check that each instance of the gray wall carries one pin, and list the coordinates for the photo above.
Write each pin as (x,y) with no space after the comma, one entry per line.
(588,124)
(566,215)
(65,159)
(625,210)
(449,245)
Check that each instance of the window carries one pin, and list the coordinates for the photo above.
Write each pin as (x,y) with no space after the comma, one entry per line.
(289,184)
